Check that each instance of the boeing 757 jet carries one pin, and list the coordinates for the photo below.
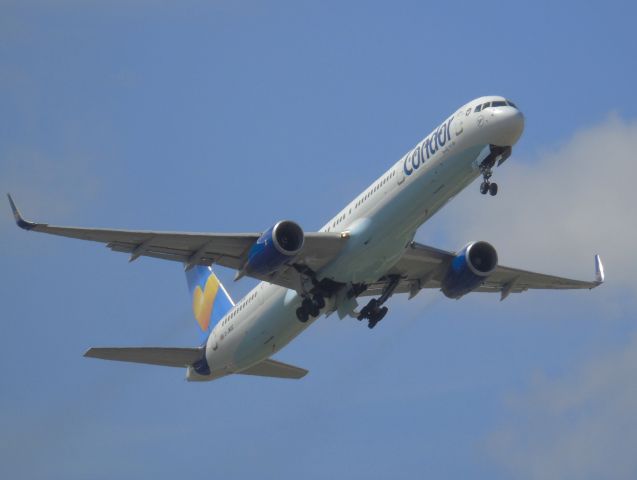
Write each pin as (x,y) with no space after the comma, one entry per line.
(351,267)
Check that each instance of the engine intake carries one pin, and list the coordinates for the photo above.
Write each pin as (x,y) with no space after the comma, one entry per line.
(469,269)
(274,247)
(288,237)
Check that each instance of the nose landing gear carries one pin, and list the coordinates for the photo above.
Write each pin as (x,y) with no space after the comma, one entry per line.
(490,187)
(497,154)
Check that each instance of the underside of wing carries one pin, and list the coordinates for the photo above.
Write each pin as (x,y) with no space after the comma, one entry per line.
(523,280)
(425,267)
(421,266)
(226,249)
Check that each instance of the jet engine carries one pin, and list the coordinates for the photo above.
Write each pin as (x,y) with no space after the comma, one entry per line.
(469,269)
(274,247)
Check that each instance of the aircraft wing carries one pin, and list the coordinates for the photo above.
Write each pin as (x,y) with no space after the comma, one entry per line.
(226,249)
(424,267)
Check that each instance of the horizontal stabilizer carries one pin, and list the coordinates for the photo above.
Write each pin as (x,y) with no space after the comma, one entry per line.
(165,356)
(272,368)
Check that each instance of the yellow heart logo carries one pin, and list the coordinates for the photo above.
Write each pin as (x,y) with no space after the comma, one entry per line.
(203,300)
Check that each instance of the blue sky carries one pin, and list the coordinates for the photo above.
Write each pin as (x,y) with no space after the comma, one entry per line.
(229,116)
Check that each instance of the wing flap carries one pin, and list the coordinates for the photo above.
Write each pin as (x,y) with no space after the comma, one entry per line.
(164,356)
(272,368)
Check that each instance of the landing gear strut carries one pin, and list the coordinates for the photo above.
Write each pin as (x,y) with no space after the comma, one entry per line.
(499,154)
(374,311)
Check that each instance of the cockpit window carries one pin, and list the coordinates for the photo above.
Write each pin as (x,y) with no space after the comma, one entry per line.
(478,108)
(511,104)
(486,105)
(499,103)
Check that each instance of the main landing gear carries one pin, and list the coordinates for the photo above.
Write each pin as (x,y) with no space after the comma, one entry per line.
(499,154)
(374,312)
(310,307)
(314,297)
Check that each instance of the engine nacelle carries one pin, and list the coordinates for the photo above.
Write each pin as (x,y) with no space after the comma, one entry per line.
(469,268)
(274,247)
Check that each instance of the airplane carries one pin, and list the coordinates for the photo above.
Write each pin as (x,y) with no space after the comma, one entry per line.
(366,250)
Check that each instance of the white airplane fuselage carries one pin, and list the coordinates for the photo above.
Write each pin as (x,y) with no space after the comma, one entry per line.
(380,222)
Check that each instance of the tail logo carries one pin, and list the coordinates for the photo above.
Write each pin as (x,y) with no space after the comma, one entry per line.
(203,300)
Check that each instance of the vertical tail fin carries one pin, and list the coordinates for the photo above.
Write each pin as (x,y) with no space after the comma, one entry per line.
(210,300)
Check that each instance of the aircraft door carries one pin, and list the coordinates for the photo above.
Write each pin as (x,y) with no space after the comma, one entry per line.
(215,339)
(400,174)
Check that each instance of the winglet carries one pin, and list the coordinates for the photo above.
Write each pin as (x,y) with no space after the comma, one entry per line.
(599,270)
(21,222)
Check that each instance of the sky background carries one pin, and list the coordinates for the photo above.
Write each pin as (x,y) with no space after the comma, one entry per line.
(229,116)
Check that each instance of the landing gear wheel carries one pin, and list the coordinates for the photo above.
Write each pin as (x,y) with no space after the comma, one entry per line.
(381,314)
(310,306)
(302,314)
(377,316)
(319,301)
(368,310)
(314,311)
(484,187)
(493,189)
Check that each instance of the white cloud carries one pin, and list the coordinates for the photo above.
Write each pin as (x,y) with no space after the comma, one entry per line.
(580,427)
(554,211)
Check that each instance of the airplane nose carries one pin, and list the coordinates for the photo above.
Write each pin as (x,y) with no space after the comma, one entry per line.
(510,125)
